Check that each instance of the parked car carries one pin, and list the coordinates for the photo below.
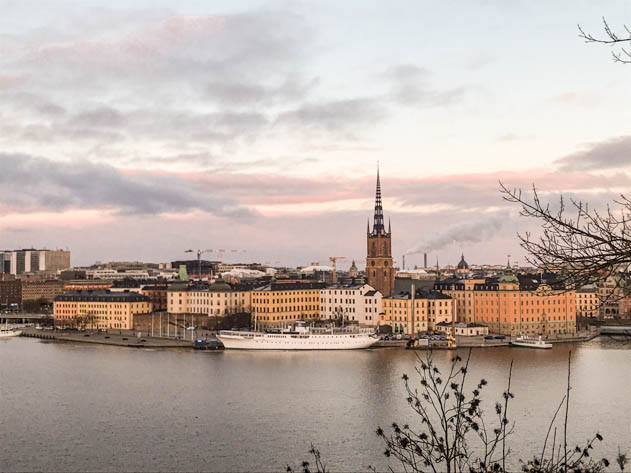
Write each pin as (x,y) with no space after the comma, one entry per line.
(489,337)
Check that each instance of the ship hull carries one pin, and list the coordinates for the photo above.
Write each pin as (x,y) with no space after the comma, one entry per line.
(264,341)
(540,346)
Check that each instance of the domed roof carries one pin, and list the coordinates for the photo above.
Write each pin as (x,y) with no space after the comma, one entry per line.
(353,266)
(508,277)
(220,286)
(463,264)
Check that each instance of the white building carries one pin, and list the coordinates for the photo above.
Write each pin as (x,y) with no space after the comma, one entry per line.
(112,274)
(358,302)
(217,300)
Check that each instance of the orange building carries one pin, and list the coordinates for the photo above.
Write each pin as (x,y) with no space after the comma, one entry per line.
(509,307)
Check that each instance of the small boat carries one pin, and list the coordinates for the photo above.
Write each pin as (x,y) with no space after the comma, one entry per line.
(9,332)
(527,342)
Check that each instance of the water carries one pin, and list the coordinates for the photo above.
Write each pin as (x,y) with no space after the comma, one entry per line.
(78,407)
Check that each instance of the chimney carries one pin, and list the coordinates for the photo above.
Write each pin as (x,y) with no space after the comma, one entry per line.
(403,262)
(424,260)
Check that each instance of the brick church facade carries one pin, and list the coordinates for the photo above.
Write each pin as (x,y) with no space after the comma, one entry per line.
(379,264)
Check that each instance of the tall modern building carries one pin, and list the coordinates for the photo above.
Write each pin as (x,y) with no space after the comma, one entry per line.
(35,261)
(379,270)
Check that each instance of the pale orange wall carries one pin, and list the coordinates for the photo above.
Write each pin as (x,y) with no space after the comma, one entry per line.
(512,311)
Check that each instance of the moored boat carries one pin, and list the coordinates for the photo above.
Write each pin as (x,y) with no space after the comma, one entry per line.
(299,337)
(527,342)
(10,332)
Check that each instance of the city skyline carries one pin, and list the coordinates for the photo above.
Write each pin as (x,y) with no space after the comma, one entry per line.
(134,132)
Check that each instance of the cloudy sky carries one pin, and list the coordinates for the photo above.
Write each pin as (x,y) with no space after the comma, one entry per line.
(138,129)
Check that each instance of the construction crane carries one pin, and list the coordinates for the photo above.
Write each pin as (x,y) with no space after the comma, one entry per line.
(333,259)
(199,260)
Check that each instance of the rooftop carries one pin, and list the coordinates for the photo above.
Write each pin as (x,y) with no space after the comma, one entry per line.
(101,296)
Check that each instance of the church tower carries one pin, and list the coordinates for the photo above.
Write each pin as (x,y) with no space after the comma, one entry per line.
(379,270)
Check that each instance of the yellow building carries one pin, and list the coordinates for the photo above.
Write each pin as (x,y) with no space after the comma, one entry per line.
(218,299)
(100,310)
(421,313)
(282,303)
(509,307)
(587,302)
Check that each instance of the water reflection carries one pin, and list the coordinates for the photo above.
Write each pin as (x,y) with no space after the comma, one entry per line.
(77,407)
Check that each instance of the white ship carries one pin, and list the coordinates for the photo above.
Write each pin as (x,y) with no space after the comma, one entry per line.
(526,342)
(300,337)
(6,332)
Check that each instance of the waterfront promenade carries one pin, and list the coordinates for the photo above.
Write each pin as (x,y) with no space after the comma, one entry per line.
(104,338)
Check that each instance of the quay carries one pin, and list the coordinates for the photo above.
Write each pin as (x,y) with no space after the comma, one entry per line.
(104,338)
(481,342)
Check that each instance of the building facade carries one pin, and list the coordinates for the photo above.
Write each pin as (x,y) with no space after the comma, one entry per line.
(45,291)
(279,304)
(510,308)
(587,302)
(217,300)
(358,303)
(10,293)
(99,310)
(416,311)
(379,264)
(157,294)
(35,261)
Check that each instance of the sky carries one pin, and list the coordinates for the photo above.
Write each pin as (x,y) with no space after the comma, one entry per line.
(134,130)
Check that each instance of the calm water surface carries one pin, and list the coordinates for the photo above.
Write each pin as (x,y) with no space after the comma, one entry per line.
(78,407)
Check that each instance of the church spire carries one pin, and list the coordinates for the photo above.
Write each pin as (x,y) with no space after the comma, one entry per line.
(378,226)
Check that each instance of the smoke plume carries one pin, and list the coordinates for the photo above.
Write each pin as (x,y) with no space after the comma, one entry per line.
(472,231)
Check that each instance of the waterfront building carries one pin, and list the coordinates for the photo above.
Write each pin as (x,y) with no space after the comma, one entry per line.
(99,310)
(355,302)
(462,329)
(35,261)
(218,299)
(416,311)
(587,301)
(45,290)
(510,306)
(379,264)
(279,304)
(10,292)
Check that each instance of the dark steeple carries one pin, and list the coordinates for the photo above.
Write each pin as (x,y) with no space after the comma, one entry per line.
(378,226)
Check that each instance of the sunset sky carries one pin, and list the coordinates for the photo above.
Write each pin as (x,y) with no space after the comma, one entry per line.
(139,129)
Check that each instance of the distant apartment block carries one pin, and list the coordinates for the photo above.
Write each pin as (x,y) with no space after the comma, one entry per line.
(28,261)
(10,293)
(42,290)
